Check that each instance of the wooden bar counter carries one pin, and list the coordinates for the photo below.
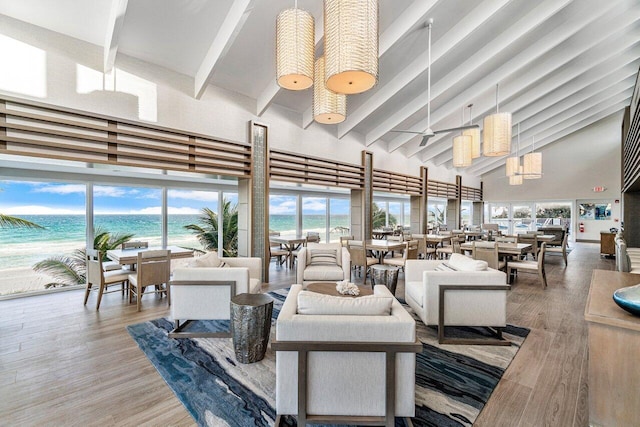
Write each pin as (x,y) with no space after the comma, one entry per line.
(614,353)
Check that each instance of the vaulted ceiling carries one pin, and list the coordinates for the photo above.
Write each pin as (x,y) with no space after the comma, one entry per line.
(561,64)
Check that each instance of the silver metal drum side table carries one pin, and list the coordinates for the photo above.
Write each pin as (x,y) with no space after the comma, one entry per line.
(251,326)
(385,275)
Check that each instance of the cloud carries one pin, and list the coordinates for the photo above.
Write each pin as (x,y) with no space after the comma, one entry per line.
(203,196)
(284,208)
(61,189)
(319,205)
(41,210)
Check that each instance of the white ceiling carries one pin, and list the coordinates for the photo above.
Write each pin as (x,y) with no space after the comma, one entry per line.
(561,64)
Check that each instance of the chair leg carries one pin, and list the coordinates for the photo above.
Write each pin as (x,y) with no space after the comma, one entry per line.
(86,293)
(543,279)
(100,292)
(139,296)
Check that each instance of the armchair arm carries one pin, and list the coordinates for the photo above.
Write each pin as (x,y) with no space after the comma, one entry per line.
(346,264)
(414,268)
(254,264)
(301,265)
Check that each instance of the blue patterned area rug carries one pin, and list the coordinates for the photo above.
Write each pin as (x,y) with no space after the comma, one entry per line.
(453,382)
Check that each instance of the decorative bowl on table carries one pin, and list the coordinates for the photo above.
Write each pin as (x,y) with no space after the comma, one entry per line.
(629,299)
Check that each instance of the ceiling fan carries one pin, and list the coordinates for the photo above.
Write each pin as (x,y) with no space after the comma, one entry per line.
(428,132)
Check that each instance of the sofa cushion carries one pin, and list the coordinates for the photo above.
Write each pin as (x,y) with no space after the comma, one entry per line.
(311,303)
(444,267)
(464,263)
(323,256)
(254,286)
(323,273)
(325,246)
(210,259)
(415,290)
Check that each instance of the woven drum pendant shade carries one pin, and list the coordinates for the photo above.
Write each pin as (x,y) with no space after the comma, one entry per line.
(516,179)
(328,107)
(350,45)
(475,141)
(512,165)
(461,151)
(294,49)
(532,166)
(497,134)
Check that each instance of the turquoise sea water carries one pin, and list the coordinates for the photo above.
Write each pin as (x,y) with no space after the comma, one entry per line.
(64,233)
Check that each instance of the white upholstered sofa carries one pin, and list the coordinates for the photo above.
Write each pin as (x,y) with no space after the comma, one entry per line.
(474,294)
(344,378)
(203,290)
(315,266)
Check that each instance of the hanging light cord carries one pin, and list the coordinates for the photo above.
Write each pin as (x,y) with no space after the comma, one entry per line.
(470,114)
(533,148)
(497,90)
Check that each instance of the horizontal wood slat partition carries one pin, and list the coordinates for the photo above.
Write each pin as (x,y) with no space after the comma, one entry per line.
(40,130)
(392,182)
(442,189)
(471,194)
(293,167)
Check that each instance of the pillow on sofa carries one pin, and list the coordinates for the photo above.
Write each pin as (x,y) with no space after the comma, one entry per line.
(322,256)
(326,247)
(464,263)
(210,259)
(312,303)
(444,267)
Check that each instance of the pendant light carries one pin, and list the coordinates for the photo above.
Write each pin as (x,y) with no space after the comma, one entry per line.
(350,45)
(512,165)
(462,149)
(475,136)
(533,163)
(328,107)
(497,132)
(516,178)
(295,48)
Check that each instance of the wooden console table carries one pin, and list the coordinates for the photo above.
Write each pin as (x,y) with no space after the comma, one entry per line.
(607,244)
(614,348)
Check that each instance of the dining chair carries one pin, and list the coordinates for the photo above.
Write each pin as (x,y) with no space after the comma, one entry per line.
(425,250)
(344,240)
(153,269)
(281,255)
(453,248)
(313,237)
(529,266)
(359,258)
(531,239)
(96,275)
(134,244)
(410,252)
(562,249)
(488,251)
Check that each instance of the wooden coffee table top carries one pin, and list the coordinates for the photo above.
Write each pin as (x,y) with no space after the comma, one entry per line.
(329,288)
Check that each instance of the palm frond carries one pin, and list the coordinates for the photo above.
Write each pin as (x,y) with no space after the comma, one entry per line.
(7,221)
(67,270)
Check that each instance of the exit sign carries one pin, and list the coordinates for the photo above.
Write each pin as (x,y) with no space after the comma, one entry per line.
(599,189)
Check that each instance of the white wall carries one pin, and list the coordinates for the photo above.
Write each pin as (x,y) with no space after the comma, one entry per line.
(144,92)
(572,167)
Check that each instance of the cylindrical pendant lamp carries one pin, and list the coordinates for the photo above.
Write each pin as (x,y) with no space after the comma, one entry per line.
(497,133)
(351,45)
(532,166)
(516,179)
(512,165)
(295,49)
(328,107)
(461,151)
(475,136)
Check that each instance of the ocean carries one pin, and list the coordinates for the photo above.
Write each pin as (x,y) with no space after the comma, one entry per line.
(21,247)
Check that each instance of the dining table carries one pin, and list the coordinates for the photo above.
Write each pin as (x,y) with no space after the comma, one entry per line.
(381,248)
(434,239)
(289,243)
(381,234)
(504,248)
(130,256)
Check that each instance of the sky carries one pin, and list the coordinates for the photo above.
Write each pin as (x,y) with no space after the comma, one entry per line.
(41,198)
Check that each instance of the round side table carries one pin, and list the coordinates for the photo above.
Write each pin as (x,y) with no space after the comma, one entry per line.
(250,326)
(387,275)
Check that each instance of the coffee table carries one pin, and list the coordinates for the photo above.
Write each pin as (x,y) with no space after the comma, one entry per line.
(251,326)
(329,288)
(386,275)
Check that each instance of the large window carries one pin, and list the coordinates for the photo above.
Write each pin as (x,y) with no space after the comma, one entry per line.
(188,207)
(389,212)
(282,214)
(436,212)
(57,207)
(339,219)
(553,213)
(466,213)
(314,216)
(522,217)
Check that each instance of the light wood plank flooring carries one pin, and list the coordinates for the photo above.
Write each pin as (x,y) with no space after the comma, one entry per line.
(65,364)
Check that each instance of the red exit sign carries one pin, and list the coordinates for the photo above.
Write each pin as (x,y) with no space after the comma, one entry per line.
(599,189)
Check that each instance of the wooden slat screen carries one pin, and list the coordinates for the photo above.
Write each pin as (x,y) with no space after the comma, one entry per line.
(38,130)
(471,194)
(392,182)
(293,167)
(441,189)
(631,148)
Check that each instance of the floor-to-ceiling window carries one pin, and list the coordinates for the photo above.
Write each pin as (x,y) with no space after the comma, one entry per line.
(283,213)
(188,210)
(436,212)
(391,210)
(339,219)
(521,217)
(314,216)
(466,213)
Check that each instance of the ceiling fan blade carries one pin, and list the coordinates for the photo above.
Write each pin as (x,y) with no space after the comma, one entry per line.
(424,141)
(407,131)
(455,129)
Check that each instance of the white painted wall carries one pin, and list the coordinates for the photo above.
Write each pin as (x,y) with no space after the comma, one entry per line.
(69,76)
(572,167)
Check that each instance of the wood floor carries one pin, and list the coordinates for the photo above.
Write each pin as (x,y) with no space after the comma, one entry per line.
(65,364)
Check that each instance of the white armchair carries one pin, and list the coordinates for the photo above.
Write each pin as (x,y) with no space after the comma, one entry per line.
(323,262)
(342,346)
(473,295)
(203,291)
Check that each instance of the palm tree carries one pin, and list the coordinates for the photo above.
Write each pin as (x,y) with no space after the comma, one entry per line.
(207,229)
(7,221)
(379,218)
(69,270)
